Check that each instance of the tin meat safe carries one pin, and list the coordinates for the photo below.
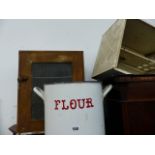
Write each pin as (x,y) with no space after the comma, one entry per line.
(73,108)
(128,47)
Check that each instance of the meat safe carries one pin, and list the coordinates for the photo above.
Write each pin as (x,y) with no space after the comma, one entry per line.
(128,47)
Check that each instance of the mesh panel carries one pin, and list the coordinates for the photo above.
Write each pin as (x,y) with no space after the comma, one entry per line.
(47,73)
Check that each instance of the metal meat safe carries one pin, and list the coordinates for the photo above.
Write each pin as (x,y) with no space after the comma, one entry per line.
(128,47)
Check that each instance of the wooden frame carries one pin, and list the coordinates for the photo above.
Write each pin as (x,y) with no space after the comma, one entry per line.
(26,59)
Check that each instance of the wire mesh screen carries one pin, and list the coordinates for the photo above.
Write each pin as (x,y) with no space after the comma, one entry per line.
(47,73)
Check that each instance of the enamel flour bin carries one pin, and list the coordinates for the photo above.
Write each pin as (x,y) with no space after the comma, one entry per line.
(73,108)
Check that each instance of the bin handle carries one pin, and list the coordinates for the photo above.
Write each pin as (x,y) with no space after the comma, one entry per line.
(106,90)
(39,92)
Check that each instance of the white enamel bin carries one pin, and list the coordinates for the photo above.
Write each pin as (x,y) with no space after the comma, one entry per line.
(73,108)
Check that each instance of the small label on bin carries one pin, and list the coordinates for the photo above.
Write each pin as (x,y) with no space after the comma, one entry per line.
(75,128)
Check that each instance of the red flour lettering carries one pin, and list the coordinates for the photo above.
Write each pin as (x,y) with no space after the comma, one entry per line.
(89,103)
(81,103)
(64,107)
(73,104)
(56,104)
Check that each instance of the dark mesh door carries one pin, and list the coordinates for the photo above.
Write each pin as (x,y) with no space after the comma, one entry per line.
(47,73)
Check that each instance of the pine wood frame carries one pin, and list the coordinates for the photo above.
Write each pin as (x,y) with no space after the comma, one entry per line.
(26,59)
